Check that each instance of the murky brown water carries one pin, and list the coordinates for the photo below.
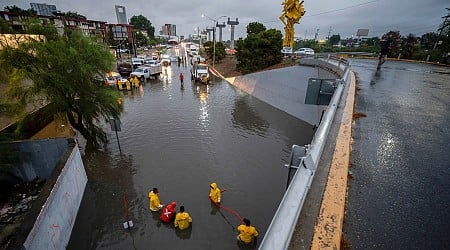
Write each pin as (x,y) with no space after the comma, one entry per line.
(181,140)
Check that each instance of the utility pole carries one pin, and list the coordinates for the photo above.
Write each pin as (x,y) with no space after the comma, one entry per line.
(316,35)
(329,33)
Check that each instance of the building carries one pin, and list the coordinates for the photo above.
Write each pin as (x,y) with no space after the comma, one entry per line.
(121,14)
(43,9)
(169,30)
(123,33)
(89,27)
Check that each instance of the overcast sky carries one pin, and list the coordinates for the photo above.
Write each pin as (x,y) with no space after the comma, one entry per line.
(342,17)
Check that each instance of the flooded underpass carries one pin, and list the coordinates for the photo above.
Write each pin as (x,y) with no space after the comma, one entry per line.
(180,140)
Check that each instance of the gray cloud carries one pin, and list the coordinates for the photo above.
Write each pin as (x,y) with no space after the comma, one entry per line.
(344,17)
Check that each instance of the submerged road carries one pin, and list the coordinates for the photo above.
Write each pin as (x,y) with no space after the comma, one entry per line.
(180,140)
(399,190)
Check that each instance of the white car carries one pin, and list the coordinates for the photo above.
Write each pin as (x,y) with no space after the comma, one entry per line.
(165,60)
(111,78)
(304,52)
(286,50)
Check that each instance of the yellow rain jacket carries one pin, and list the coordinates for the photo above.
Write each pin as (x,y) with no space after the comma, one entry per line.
(215,193)
(155,204)
(182,220)
(247,233)
(136,82)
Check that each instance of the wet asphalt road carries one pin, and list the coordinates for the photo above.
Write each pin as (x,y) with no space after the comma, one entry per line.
(180,140)
(399,193)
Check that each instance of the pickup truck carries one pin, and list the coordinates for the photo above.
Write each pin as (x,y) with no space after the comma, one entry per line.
(146,72)
(200,73)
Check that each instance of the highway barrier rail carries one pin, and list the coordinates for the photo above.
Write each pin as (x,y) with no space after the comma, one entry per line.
(305,160)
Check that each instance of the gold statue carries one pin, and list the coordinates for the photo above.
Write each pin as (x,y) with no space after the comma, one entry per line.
(292,12)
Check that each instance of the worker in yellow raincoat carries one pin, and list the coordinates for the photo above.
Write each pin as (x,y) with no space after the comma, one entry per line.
(247,232)
(135,82)
(155,203)
(215,193)
(182,219)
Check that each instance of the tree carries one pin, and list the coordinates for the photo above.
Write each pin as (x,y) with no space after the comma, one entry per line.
(68,73)
(306,44)
(220,50)
(373,41)
(409,46)
(15,9)
(5,28)
(428,40)
(141,40)
(335,39)
(142,23)
(258,51)
(255,28)
(394,39)
(443,44)
(74,15)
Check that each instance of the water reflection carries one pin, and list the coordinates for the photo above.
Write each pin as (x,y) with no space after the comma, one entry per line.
(245,117)
(202,92)
(109,179)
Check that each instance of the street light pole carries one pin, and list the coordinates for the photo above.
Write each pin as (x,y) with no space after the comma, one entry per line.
(214,35)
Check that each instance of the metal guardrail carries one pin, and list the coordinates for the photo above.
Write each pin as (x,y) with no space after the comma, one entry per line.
(279,233)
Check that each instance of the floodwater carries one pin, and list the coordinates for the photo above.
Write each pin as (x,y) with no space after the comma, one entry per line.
(180,140)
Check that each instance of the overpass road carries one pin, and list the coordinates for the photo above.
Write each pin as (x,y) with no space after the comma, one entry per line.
(399,186)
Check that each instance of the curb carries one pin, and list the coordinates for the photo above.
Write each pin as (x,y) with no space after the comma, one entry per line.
(328,228)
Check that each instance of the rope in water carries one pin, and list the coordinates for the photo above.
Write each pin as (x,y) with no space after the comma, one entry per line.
(228,209)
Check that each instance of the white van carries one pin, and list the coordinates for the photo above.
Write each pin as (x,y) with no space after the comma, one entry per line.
(193,50)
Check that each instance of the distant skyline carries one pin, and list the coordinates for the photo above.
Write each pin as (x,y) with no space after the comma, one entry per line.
(322,16)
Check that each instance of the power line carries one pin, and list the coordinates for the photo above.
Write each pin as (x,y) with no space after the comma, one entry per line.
(341,9)
(327,12)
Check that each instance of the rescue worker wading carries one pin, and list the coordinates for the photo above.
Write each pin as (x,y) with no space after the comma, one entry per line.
(153,197)
(215,193)
(168,212)
(182,219)
(247,233)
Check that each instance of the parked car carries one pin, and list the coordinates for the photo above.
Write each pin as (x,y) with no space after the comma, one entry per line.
(111,78)
(304,52)
(137,61)
(286,50)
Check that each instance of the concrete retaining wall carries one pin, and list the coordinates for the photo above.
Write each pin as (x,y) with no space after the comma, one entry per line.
(284,89)
(54,224)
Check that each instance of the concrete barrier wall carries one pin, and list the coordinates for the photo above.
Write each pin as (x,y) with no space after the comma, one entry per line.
(38,158)
(54,224)
(284,89)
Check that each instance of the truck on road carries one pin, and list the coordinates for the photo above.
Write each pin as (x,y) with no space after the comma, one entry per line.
(200,73)
(147,72)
